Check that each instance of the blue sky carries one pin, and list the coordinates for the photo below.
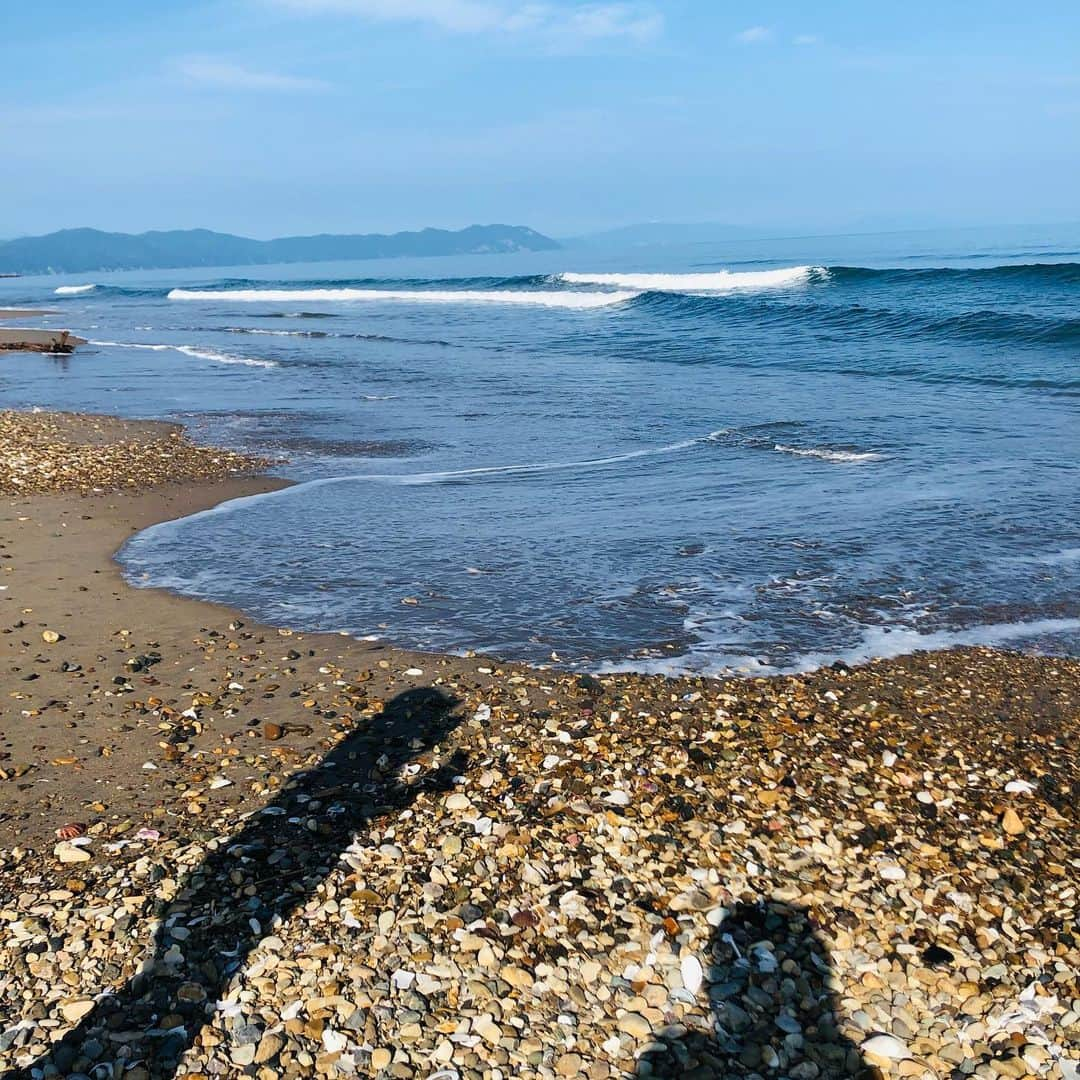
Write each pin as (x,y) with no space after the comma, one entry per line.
(270,117)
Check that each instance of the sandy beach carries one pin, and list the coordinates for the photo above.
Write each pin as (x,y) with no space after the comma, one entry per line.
(228,849)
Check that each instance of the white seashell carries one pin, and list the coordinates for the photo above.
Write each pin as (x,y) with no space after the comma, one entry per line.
(886,1046)
(888,759)
(219,782)
(617,798)
(892,872)
(334,1041)
(414,671)
(691,973)
(717,916)
(1019,787)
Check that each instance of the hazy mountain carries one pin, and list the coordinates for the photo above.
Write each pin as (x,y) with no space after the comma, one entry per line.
(663,232)
(78,250)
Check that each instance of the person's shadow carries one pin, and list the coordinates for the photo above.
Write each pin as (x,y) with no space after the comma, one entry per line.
(772,1013)
(237,894)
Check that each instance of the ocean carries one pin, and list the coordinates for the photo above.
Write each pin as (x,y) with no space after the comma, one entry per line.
(753,456)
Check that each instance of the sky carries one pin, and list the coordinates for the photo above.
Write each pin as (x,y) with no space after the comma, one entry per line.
(277,117)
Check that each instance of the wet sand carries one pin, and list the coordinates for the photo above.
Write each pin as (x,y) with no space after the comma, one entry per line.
(497,870)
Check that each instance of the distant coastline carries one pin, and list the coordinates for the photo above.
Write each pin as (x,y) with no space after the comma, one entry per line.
(86,250)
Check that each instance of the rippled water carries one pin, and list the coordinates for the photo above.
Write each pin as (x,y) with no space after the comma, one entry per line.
(760,456)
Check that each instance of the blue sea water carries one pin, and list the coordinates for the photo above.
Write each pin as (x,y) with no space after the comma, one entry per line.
(754,456)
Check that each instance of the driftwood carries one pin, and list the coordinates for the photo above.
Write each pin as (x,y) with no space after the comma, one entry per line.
(14,339)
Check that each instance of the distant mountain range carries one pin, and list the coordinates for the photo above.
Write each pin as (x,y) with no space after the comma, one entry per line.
(657,233)
(79,250)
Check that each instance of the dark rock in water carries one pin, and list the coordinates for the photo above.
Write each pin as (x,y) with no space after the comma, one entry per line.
(935,955)
(691,549)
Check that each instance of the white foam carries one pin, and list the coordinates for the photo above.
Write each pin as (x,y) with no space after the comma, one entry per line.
(225,358)
(73,290)
(846,456)
(270,333)
(191,350)
(876,643)
(884,642)
(413,479)
(1060,558)
(552,299)
(131,345)
(720,281)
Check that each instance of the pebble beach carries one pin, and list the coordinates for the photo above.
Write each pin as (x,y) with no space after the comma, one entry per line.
(230,850)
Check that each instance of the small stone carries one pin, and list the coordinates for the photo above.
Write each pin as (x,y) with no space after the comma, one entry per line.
(1011,823)
(244,1054)
(270,1045)
(569,1065)
(74,1011)
(50,637)
(272,731)
(635,1025)
(518,977)
(487,1029)
(381,1058)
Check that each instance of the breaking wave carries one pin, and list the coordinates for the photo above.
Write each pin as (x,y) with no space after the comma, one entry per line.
(552,299)
(73,290)
(847,456)
(200,353)
(719,281)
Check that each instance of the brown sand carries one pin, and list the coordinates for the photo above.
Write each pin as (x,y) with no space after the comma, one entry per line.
(74,728)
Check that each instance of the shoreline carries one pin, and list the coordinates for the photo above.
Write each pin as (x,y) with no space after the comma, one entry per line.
(562,845)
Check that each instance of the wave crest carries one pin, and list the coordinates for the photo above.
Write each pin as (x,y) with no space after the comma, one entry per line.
(73,290)
(199,353)
(823,454)
(718,281)
(573,300)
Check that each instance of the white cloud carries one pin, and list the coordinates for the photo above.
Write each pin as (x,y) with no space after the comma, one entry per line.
(212,71)
(753,34)
(575,22)
(807,39)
